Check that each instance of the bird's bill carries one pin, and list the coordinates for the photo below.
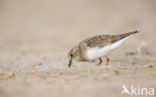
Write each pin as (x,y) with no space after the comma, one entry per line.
(70,62)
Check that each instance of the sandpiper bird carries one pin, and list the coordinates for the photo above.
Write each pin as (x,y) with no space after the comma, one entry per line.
(96,47)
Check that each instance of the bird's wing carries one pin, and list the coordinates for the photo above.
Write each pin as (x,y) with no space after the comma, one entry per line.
(103,40)
(99,41)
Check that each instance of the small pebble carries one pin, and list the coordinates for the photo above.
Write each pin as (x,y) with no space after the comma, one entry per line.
(131,53)
(116,72)
(40,63)
(12,74)
(151,66)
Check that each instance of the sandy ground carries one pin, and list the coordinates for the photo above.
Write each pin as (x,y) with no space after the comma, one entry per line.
(36,36)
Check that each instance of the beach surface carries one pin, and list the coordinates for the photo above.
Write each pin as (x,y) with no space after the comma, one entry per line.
(36,36)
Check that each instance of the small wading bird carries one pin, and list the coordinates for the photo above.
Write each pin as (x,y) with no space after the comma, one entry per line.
(96,47)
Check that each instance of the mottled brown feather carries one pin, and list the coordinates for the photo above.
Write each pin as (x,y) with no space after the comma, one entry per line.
(102,40)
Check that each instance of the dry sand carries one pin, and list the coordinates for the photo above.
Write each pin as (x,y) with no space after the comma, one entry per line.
(35,37)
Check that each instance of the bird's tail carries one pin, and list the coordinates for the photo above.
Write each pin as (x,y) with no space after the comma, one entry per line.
(127,34)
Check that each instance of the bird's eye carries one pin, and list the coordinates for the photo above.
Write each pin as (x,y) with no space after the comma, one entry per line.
(71,55)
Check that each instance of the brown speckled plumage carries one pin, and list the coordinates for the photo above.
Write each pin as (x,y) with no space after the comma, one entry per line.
(102,40)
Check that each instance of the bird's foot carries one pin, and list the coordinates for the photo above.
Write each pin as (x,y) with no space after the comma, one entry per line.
(107,61)
(100,62)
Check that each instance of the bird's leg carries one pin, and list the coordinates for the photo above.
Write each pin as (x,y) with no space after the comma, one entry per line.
(100,62)
(107,60)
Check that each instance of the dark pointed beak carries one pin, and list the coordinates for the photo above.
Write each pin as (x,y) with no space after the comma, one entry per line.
(70,62)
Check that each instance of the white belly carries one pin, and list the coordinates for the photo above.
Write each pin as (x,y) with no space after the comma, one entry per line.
(94,53)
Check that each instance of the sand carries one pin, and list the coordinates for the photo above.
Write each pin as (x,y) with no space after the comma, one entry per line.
(36,36)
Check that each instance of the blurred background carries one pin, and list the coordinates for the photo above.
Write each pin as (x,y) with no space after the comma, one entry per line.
(55,24)
(36,35)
